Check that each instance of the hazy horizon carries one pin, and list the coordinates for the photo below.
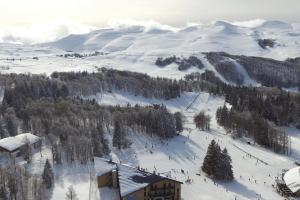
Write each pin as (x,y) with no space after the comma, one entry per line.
(33,21)
(99,12)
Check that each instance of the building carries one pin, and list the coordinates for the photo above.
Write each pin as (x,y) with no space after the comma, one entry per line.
(136,184)
(12,145)
(288,184)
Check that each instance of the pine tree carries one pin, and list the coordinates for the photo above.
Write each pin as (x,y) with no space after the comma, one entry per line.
(210,160)
(48,176)
(226,165)
(217,163)
(71,194)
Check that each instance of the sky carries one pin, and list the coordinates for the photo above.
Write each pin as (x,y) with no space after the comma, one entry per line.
(47,20)
(171,12)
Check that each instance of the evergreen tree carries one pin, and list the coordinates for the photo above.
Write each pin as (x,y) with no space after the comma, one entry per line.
(226,165)
(210,160)
(217,163)
(48,176)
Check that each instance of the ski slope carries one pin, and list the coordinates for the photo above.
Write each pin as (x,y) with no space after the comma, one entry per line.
(255,168)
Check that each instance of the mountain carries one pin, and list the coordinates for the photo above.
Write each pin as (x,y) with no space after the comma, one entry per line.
(217,36)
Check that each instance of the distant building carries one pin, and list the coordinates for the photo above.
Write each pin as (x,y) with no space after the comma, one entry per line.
(136,184)
(12,145)
(288,184)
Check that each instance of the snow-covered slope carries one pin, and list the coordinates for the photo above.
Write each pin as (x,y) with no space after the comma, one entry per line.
(217,36)
(255,168)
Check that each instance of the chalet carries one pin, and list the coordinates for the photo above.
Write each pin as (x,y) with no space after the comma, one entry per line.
(12,145)
(136,184)
(288,184)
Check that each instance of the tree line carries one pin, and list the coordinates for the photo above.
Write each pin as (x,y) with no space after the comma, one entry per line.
(254,126)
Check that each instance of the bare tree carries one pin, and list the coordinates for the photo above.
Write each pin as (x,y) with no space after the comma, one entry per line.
(71,194)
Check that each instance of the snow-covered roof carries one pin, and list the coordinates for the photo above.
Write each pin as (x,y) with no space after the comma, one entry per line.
(13,143)
(131,179)
(103,166)
(292,179)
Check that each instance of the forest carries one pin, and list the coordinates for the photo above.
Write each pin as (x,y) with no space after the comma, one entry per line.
(268,72)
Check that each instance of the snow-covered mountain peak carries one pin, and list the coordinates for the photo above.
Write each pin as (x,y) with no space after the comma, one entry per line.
(230,37)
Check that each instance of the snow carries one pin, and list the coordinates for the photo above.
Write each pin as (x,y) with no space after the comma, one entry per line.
(136,47)
(103,166)
(127,184)
(241,70)
(122,99)
(184,152)
(81,177)
(292,179)
(13,143)
(250,162)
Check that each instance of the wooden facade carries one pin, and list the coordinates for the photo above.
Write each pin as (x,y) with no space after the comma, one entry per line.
(109,179)
(165,189)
